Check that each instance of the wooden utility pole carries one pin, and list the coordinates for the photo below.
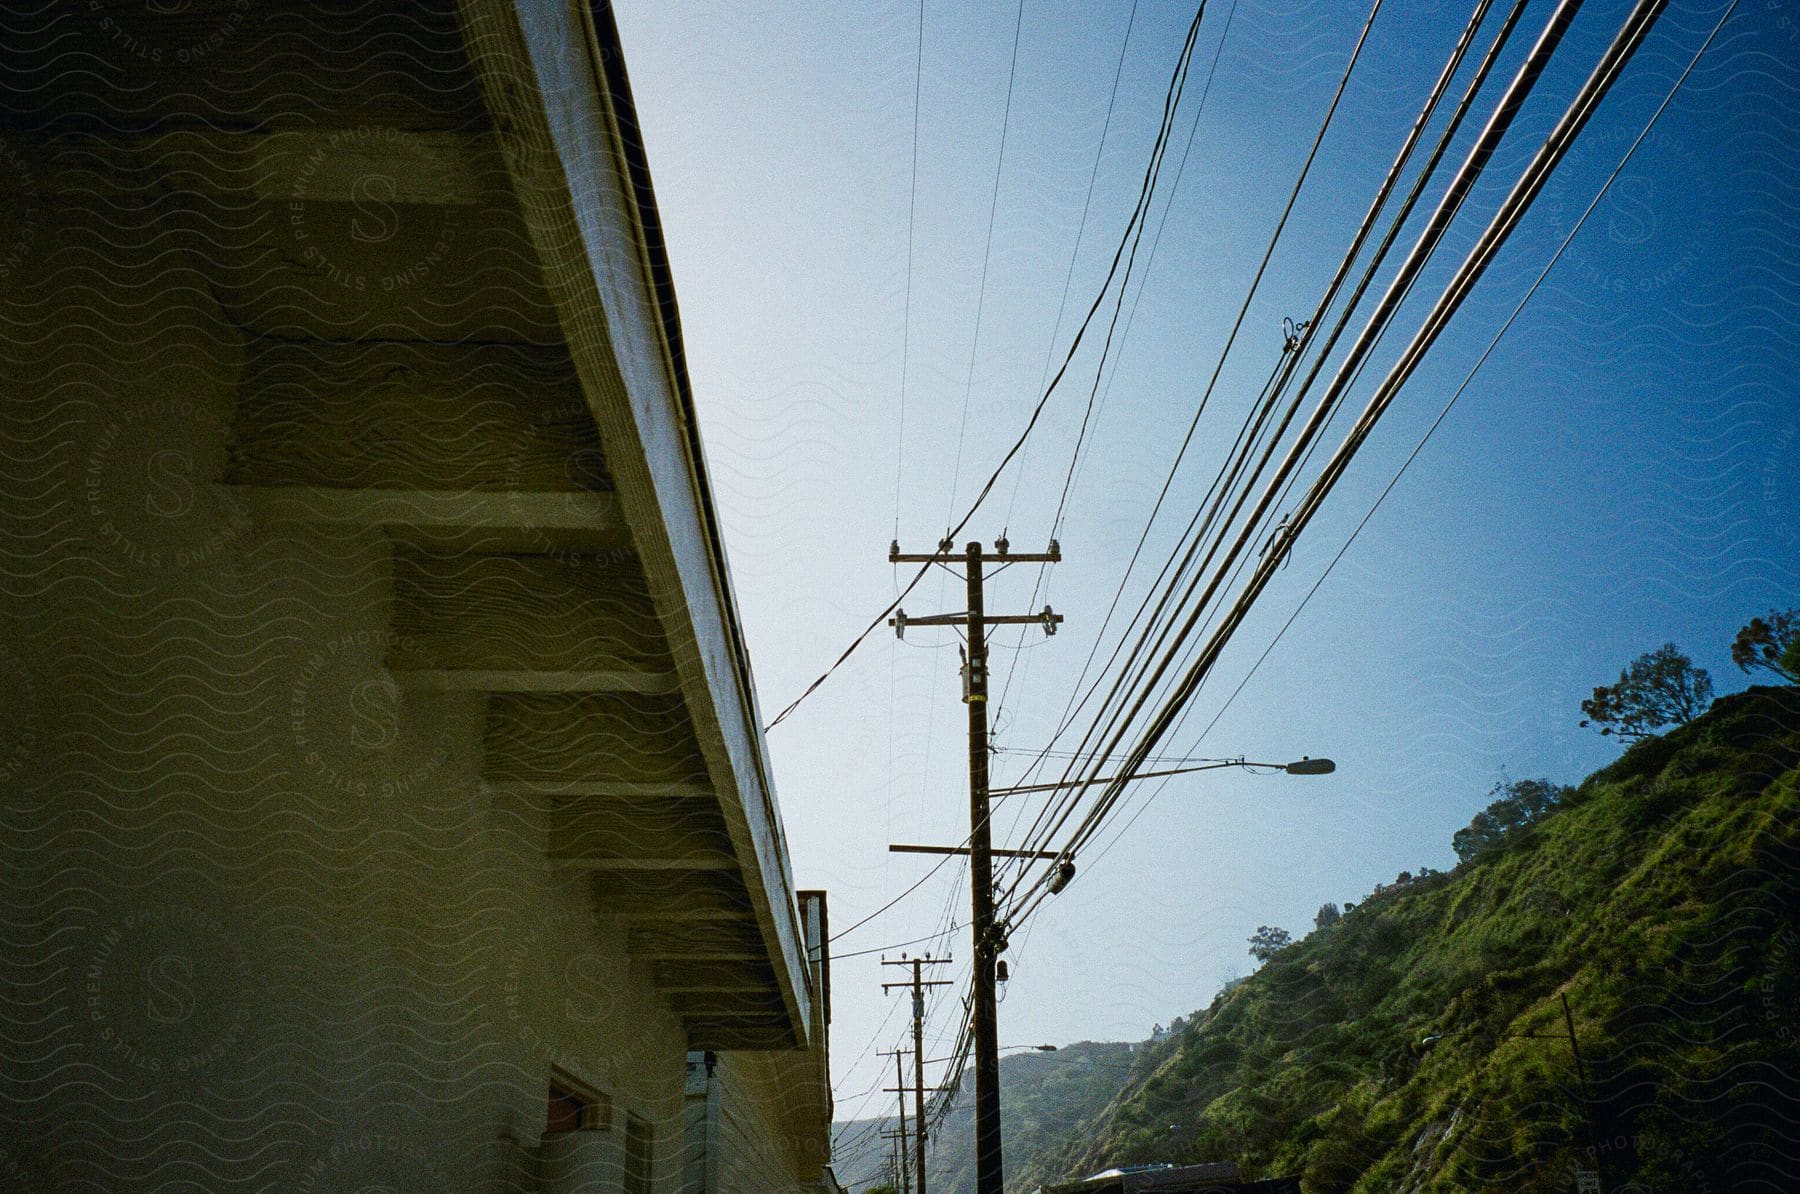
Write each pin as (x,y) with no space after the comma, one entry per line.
(989,1166)
(900,1085)
(894,1157)
(1587,1103)
(1597,1185)
(897,1163)
(918,985)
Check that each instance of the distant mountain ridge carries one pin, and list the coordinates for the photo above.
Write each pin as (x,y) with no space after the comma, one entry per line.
(1042,1095)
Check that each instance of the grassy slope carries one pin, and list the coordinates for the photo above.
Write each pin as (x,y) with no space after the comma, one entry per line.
(1662,901)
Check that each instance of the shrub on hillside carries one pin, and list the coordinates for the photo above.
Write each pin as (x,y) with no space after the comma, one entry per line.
(1771,642)
(1517,806)
(1267,941)
(1659,688)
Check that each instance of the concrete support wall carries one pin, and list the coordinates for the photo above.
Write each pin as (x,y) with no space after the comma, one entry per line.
(762,1121)
(265,926)
(740,1135)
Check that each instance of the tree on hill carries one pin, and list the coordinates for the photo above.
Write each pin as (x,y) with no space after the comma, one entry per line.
(1517,806)
(1659,688)
(1771,642)
(1267,941)
(1328,914)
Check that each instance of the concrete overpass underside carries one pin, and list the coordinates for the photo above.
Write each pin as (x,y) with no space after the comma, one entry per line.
(425,458)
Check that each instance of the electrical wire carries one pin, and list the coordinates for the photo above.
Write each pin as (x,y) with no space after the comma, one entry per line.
(999,469)
(1374,264)
(986,255)
(1506,218)
(1447,208)
(1087,203)
(1457,393)
(1056,331)
(881,949)
(1237,325)
(912,207)
(935,868)
(1206,397)
(1512,209)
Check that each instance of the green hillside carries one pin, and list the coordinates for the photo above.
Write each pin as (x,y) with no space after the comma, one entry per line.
(1418,1043)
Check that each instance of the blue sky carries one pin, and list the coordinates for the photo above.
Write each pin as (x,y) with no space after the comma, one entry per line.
(1621,472)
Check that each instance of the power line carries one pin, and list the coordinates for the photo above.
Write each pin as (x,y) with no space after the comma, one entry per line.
(868,1049)
(1448,206)
(912,207)
(1056,327)
(1174,189)
(986,255)
(1552,160)
(1159,760)
(1450,402)
(1512,209)
(1080,231)
(1130,319)
(1174,468)
(881,949)
(993,478)
(918,884)
(1206,395)
(1458,115)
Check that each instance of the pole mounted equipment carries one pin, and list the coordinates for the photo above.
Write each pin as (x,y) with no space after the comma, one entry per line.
(918,983)
(901,1136)
(988,941)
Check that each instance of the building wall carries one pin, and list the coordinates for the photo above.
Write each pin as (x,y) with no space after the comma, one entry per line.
(265,926)
(762,1121)
(739,1137)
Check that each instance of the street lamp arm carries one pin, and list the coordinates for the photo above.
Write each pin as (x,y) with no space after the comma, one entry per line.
(1003,1049)
(1303,766)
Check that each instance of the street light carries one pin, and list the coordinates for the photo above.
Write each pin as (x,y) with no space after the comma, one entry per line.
(1064,871)
(1304,765)
(1003,1049)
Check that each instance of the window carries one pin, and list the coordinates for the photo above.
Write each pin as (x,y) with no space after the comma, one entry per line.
(640,1144)
(575,1107)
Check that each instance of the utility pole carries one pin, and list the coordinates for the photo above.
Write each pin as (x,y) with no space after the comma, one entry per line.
(901,1136)
(1588,1181)
(918,985)
(897,1163)
(989,1166)
(1587,1103)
